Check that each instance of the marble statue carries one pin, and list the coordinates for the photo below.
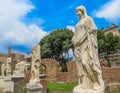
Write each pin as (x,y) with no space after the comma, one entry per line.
(35,64)
(22,66)
(19,69)
(34,85)
(86,55)
(3,69)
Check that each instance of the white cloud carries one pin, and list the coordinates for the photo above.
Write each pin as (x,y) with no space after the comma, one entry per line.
(109,11)
(12,30)
(71,28)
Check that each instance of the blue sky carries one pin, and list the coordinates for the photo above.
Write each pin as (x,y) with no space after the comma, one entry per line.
(24,22)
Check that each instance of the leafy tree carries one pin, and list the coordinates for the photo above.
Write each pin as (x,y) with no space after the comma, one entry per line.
(100,34)
(59,42)
(112,43)
(101,41)
(108,43)
(55,44)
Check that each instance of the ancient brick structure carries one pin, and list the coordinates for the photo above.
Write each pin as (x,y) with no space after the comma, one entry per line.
(16,57)
(54,75)
(114,58)
(52,68)
(111,74)
(113,29)
(3,58)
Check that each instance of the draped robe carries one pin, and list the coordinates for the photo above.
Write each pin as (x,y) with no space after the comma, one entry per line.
(86,53)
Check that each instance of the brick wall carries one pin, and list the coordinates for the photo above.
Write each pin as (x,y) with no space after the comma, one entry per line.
(3,58)
(111,74)
(53,73)
(52,68)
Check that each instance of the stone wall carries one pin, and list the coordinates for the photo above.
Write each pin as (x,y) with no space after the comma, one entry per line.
(72,71)
(54,75)
(113,29)
(3,58)
(16,57)
(52,68)
(111,74)
(19,57)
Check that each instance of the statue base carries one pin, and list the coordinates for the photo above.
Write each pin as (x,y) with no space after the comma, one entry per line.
(78,89)
(8,84)
(34,88)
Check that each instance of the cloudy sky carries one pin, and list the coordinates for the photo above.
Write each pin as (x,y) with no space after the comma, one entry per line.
(24,22)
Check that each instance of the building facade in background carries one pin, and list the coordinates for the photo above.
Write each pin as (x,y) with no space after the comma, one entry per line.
(114,58)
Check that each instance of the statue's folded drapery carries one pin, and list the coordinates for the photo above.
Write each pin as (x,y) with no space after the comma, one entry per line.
(86,52)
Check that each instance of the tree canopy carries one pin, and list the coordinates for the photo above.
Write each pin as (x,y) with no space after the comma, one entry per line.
(56,43)
(108,43)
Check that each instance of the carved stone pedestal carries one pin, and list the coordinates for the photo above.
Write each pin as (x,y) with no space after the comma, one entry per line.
(8,84)
(1,84)
(1,81)
(34,88)
(78,89)
(18,84)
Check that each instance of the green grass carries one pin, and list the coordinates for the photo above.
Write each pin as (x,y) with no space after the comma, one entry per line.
(65,87)
(114,92)
(61,87)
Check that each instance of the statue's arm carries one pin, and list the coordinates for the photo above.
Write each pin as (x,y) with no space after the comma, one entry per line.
(92,27)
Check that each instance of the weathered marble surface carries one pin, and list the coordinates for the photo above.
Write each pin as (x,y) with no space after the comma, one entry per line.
(35,64)
(86,55)
(34,85)
(19,69)
(8,84)
(34,88)
(78,89)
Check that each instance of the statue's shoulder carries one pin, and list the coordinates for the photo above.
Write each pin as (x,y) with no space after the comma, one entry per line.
(88,18)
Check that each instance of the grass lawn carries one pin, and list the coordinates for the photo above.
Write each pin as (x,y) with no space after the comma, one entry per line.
(61,86)
(116,92)
(113,92)
(64,87)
